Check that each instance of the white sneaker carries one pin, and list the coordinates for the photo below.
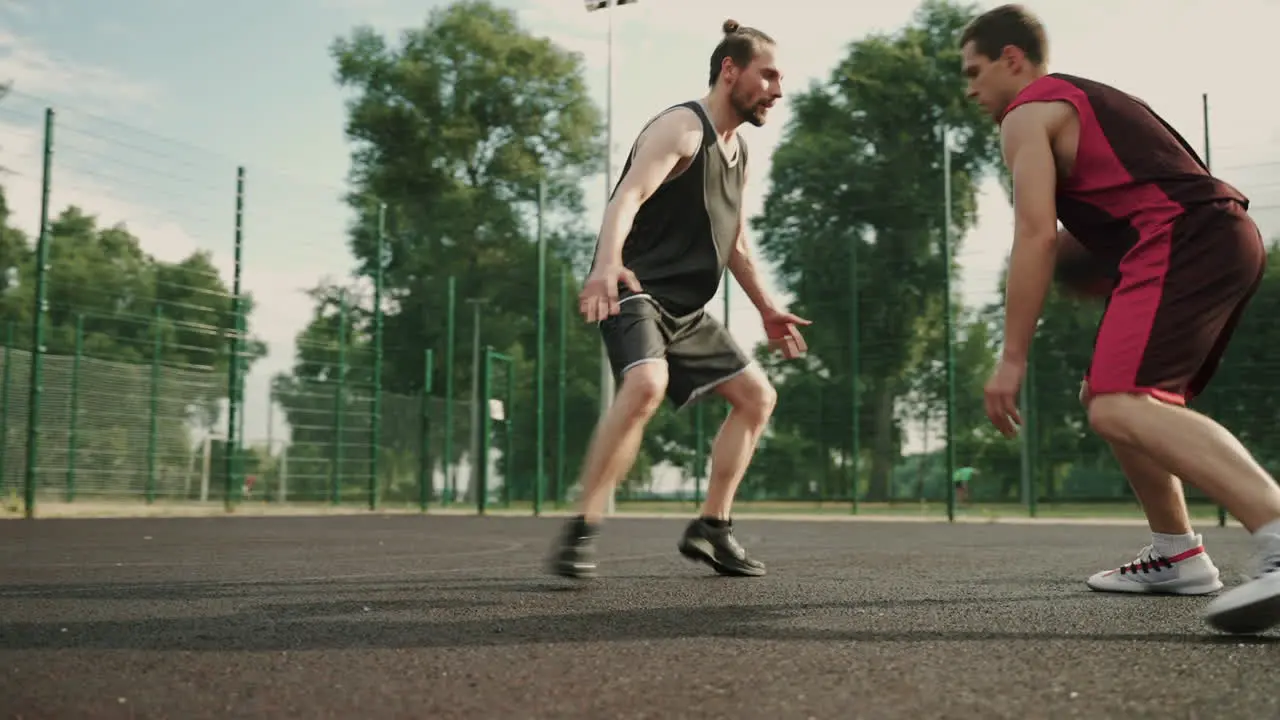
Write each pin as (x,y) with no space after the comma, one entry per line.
(1187,573)
(1254,606)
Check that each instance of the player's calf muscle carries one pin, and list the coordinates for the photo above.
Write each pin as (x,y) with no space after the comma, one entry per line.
(1194,448)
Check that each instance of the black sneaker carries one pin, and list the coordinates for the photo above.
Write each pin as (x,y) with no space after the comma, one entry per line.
(575,553)
(717,547)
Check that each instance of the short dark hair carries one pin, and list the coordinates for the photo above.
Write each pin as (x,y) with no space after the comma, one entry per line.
(740,44)
(1006,25)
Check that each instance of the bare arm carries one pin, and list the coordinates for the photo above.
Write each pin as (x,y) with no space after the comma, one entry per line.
(668,140)
(743,266)
(1025,137)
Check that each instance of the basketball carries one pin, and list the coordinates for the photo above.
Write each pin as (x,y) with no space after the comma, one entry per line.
(1081,273)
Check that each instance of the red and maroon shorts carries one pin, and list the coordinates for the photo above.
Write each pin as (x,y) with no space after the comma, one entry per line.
(1182,291)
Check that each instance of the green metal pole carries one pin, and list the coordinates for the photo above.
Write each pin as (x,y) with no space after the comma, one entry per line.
(375,441)
(37,325)
(72,438)
(447,493)
(540,479)
(949,327)
(1024,447)
(700,463)
(1031,417)
(728,278)
(562,389)
(242,447)
(424,460)
(4,403)
(855,382)
(482,457)
(509,452)
(335,479)
(233,366)
(153,431)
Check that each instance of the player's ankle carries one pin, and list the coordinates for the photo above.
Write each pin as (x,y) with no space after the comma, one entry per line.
(1271,527)
(1173,544)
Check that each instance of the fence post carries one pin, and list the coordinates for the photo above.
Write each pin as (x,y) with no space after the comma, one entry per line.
(154,430)
(375,422)
(447,492)
(541,379)
(242,454)
(562,369)
(72,438)
(482,456)
(4,404)
(425,467)
(233,362)
(509,452)
(1208,163)
(335,480)
(35,391)
(1031,428)
(855,379)
(949,326)
(699,457)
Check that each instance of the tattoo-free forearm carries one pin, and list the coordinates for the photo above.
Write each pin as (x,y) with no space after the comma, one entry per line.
(1030,272)
(618,218)
(743,267)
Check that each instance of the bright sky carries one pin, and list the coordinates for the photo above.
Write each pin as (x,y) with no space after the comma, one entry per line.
(156,108)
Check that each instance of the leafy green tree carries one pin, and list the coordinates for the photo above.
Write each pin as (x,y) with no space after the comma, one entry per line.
(861,169)
(126,301)
(453,127)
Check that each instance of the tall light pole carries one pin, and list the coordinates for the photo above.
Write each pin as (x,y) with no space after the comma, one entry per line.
(606,374)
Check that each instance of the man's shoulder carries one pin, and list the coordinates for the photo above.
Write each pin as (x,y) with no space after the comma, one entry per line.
(679,123)
(686,114)
(1087,85)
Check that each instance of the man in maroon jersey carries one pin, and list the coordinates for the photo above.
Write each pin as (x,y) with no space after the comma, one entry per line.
(1186,258)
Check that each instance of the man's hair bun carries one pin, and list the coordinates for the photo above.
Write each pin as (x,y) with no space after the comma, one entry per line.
(731,26)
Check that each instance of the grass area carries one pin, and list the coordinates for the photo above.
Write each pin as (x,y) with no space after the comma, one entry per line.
(1117,510)
(54,506)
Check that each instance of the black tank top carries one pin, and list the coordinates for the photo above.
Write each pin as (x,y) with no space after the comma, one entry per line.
(684,234)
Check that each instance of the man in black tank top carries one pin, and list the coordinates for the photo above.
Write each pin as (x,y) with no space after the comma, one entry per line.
(673,226)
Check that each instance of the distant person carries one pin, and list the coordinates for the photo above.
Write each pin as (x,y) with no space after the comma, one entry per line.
(673,225)
(961,481)
(1185,257)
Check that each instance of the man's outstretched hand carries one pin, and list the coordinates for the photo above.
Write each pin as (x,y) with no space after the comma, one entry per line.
(780,328)
(599,297)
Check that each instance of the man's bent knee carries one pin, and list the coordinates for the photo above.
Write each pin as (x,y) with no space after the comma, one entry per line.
(642,389)
(751,394)
(1113,416)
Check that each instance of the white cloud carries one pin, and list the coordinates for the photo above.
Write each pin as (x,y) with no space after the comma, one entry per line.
(33,71)
(16,8)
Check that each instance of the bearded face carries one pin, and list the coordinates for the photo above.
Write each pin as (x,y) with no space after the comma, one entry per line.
(757,88)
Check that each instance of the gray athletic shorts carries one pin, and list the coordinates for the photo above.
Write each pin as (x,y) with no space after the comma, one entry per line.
(699,351)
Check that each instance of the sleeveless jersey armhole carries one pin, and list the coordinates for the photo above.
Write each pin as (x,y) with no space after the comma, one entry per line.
(688,162)
(1051,89)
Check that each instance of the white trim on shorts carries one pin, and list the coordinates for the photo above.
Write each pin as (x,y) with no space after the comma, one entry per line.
(703,390)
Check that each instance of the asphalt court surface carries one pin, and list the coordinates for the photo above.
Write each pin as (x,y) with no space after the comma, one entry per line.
(454,617)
